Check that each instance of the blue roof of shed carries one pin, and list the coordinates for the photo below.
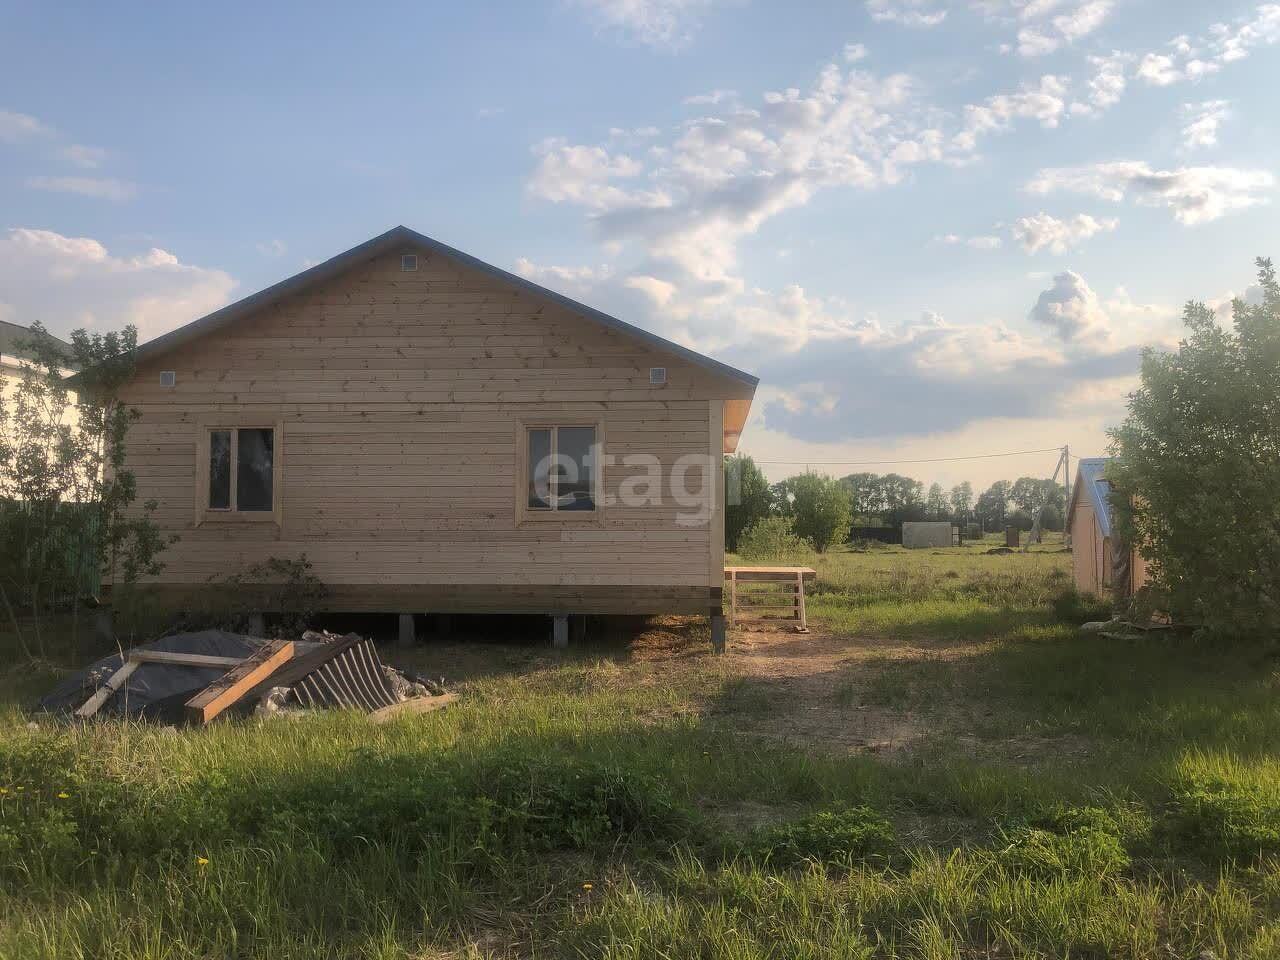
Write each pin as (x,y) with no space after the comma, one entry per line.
(1090,483)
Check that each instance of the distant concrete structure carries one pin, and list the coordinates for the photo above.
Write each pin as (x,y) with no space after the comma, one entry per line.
(1012,536)
(919,534)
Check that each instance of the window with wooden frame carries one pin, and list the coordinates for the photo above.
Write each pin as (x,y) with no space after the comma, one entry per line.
(560,473)
(239,472)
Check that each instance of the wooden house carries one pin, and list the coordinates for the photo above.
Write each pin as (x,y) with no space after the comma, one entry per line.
(438,435)
(1100,564)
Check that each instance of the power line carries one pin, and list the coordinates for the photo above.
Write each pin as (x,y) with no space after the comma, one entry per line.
(881,463)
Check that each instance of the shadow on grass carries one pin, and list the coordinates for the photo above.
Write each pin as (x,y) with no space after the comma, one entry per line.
(1156,695)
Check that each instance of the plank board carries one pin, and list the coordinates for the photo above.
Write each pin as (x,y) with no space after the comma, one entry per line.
(104,692)
(228,690)
(407,708)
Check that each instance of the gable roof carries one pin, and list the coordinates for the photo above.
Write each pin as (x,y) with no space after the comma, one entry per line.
(1091,483)
(398,238)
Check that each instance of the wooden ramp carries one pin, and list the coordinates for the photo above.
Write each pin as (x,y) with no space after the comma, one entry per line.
(768,594)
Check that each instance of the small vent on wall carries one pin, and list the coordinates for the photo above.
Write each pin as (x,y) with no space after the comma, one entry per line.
(657,376)
(168,378)
(409,262)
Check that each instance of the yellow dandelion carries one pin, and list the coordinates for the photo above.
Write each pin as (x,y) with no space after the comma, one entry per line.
(63,795)
(3,791)
(587,886)
(202,861)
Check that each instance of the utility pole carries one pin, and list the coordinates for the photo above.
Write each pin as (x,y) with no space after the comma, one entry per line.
(1064,466)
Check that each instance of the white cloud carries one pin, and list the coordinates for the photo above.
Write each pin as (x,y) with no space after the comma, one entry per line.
(979,242)
(686,203)
(1044,232)
(488,113)
(1202,122)
(104,188)
(573,281)
(585,175)
(1039,33)
(69,282)
(1194,194)
(273,248)
(712,98)
(853,52)
(18,127)
(668,24)
(89,158)
(1107,85)
(1071,309)
(908,13)
(1231,42)
(1158,70)
(1186,59)
(1044,101)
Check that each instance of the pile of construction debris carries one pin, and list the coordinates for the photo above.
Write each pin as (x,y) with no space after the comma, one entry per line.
(195,677)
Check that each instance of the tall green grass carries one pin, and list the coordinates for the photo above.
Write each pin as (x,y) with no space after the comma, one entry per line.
(600,806)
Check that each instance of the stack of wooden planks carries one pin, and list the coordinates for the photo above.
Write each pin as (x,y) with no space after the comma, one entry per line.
(343,672)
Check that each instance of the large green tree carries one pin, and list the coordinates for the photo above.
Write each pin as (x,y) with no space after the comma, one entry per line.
(962,500)
(819,508)
(992,507)
(747,497)
(1197,474)
(935,503)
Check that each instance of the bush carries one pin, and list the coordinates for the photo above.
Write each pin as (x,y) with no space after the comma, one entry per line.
(277,583)
(1196,477)
(1072,606)
(821,508)
(829,836)
(773,539)
(1082,840)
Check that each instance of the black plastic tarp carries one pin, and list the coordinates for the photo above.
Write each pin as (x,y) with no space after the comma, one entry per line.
(155,690)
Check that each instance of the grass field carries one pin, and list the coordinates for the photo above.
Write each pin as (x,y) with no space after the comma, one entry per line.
(940,769)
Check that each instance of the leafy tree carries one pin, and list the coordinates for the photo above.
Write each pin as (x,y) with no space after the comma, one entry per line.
(866,494)
(67,510)
(993,506)
(962,500)
(1033,494)
(747,497)
(1197,479)
(935,504)
(903,498)
(819,508)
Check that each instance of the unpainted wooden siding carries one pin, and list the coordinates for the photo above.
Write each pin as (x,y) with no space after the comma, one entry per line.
(400,395)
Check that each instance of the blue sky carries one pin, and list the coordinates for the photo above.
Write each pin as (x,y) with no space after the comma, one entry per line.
(932,227)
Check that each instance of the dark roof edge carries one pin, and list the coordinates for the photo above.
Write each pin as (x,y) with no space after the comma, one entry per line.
(403,235)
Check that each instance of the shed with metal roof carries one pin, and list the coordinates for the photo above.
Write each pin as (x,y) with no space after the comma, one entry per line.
(1101,565)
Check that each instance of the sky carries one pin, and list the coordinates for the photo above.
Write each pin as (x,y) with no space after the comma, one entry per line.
(933,228)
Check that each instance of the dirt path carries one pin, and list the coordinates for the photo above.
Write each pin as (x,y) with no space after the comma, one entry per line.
(814,689)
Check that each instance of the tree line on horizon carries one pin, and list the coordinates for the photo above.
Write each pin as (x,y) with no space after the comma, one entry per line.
(824,510)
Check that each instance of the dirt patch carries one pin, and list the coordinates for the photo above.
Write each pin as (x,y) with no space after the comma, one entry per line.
(818,691)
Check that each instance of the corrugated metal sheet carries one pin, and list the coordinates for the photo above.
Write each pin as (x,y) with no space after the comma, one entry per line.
(352,678)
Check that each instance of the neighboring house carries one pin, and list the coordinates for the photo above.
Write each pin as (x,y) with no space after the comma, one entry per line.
(438,435)
(1101,564)
(13,350)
